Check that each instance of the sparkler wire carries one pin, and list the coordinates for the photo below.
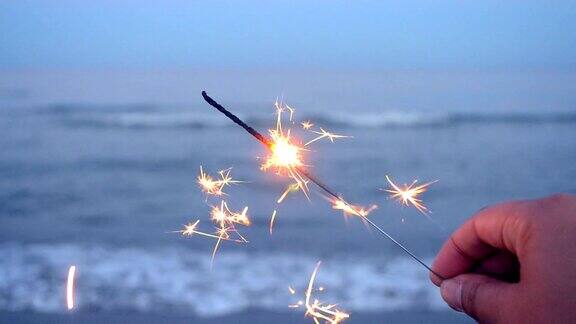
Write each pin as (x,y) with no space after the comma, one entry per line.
(321,185)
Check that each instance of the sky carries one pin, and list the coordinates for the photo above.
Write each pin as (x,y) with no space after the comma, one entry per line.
(325,34)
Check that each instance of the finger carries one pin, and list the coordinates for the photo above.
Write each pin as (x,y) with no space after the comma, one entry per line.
(479,296)
(503,266)
(492,229)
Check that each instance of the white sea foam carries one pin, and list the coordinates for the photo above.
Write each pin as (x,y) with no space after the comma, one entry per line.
(33,277)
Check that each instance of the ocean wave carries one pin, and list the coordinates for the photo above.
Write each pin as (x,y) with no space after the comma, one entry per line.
(147,120)
(387,119)
(176,279)
(151,116)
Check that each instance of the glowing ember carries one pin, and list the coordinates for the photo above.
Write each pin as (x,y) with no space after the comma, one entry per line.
(70,287)
(349,209)
(408,194)
(215,187)
(316,309)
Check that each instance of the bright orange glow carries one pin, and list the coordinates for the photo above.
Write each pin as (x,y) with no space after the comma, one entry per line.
(284,154)
(408,194)
(70,287)
(315,308)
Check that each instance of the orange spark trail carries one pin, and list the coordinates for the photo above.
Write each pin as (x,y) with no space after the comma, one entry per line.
(70,287)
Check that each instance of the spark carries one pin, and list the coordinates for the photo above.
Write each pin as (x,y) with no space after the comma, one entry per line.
(70,287)
(316,309)
(408,194)
(324,134)
(222,215)
(349,209)
(272,218)
(190,229)
(306,124)
(214,187)
(225,221)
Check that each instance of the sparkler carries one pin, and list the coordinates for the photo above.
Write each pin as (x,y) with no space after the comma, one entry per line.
(408,194)
(315,308)
(70,287)
(285,155)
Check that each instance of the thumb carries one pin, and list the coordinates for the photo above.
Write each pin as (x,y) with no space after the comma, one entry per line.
(479,296)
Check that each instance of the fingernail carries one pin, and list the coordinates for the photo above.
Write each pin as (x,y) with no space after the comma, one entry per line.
(451,291)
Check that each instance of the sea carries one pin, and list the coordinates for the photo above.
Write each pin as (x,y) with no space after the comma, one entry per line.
(98,169)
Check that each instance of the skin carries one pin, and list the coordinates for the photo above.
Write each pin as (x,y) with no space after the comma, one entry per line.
(514,262)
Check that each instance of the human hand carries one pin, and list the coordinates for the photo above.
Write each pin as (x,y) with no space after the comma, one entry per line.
(514,262)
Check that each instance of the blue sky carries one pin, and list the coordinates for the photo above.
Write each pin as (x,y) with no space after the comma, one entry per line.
(341,34)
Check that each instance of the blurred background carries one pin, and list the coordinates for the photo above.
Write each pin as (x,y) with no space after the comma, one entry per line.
(103,130)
